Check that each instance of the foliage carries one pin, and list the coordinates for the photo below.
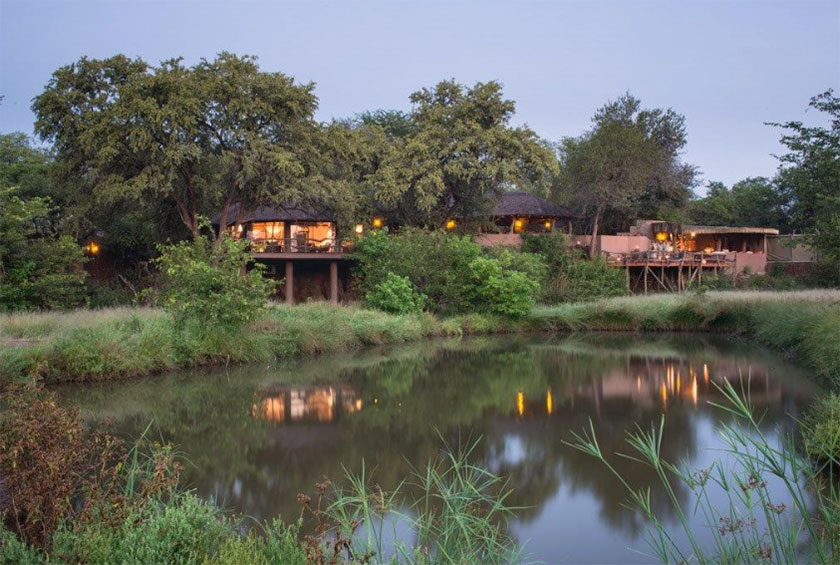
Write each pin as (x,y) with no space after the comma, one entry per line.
(627,164)
(450,271)
(809,176)
(204,136)
(821,430)
(436,263)
(397,295)
(460,515)
(37,268)
(752,526)
(754,201)
(55,471)
(204,284)
(501,290)
(572,277)
(455,154)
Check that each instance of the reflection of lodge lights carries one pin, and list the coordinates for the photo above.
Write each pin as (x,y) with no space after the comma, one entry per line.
(705,373)
(694,390)
(664,393)
(549,402)
(358,404)
(520,403)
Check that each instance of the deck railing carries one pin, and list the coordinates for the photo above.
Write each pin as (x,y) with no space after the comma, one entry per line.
(670,258)
(295,245)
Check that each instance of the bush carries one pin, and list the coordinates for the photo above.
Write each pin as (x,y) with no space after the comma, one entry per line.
(397,295)
(204,283)
(821,430)
(571,276)
(499,290)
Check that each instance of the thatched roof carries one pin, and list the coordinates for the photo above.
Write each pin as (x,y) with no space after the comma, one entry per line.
(523,204)
(276,214)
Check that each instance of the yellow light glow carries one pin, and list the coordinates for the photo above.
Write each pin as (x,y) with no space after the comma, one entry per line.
(706,373)
(694,391)
(359,229)
(661,236)
(518,223)
(547,224)
(693,235)
(549,402)
(239,228)
(377,222)
(663,392)
(520,403)
(358,404)
(450,224)
(92,248)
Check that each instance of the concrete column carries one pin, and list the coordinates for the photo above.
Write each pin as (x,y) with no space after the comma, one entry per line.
(334,282)
(290,283)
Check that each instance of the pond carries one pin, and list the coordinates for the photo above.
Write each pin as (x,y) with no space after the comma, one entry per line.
(256,436)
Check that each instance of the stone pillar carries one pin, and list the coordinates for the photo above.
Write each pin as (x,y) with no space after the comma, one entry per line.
(334,282)
(290,283)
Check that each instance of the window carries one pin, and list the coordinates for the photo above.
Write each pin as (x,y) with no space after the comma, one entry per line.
(267,231)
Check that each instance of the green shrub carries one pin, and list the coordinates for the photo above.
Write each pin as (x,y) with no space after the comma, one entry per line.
(499,290)
(821,430)
(397,295)
(203,283)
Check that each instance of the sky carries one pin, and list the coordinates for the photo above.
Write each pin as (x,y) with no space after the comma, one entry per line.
(727,66)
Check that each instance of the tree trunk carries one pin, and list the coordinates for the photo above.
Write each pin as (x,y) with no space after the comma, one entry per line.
(593,243)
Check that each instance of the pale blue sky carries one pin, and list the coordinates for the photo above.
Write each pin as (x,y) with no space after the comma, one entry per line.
(727,66)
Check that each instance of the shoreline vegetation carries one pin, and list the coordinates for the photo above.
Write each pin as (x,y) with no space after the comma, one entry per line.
(125,342)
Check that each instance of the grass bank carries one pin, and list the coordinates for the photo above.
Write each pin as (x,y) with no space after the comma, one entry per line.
(128,342)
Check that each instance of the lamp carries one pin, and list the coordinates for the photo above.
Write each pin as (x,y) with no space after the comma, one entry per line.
(450,224)
(92,248)
(661,236)
(377,222)
(359,229)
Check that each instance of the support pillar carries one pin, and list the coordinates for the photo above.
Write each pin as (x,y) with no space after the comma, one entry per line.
(334,282)
(290,283)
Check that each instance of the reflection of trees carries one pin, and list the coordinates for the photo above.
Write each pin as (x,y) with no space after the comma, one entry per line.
(459,388)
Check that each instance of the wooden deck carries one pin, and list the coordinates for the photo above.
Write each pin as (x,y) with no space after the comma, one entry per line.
(669,271)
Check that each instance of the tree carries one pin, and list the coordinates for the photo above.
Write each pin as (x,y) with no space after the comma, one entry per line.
(38,269)
(197,138)
(457,154)
(627,165)
(752,202)
(809,176)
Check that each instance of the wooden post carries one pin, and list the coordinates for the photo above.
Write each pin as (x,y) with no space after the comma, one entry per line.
(627,272)
(334,282)
(290,283)
(647,259)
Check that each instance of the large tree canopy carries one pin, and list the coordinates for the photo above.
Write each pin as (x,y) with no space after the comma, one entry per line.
(809,178)
(754,201)
(626,166)
(454,154)
(196,137)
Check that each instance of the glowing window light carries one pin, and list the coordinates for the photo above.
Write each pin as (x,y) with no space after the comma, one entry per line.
(450,224)
(377,222)
(518,224)
(661,236)
(547,224)
(549,402)
(359,229)
(520,403)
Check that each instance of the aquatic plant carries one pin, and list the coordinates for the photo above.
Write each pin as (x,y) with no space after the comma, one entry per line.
(752,526)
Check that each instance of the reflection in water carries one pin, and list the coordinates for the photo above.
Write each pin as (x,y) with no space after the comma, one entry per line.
(274,431)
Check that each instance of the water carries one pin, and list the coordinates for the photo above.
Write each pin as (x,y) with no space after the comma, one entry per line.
(257,436)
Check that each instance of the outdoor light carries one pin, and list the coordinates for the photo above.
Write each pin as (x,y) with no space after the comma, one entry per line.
(92,248)
(661,236)
(450,224)
(548,224)
(693,234)
(517,224)
(359,229)
(377,222)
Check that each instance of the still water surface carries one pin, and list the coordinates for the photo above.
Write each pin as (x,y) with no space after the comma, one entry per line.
(256,436)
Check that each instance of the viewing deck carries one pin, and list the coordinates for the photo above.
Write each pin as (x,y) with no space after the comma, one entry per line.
(670,271)
(298,249)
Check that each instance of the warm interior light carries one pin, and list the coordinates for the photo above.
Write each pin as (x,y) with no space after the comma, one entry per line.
(92,248)
(377,222)
(359,229)
(548,224)
(693,235)
(450,224)
(661,236)
(517,223)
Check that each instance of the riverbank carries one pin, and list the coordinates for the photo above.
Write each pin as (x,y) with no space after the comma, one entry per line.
(130,342)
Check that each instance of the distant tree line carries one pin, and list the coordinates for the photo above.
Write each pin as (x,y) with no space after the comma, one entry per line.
(136,154)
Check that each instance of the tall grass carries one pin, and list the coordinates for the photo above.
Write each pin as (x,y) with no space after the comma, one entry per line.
(126,342)
(752,526)
(456,514)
